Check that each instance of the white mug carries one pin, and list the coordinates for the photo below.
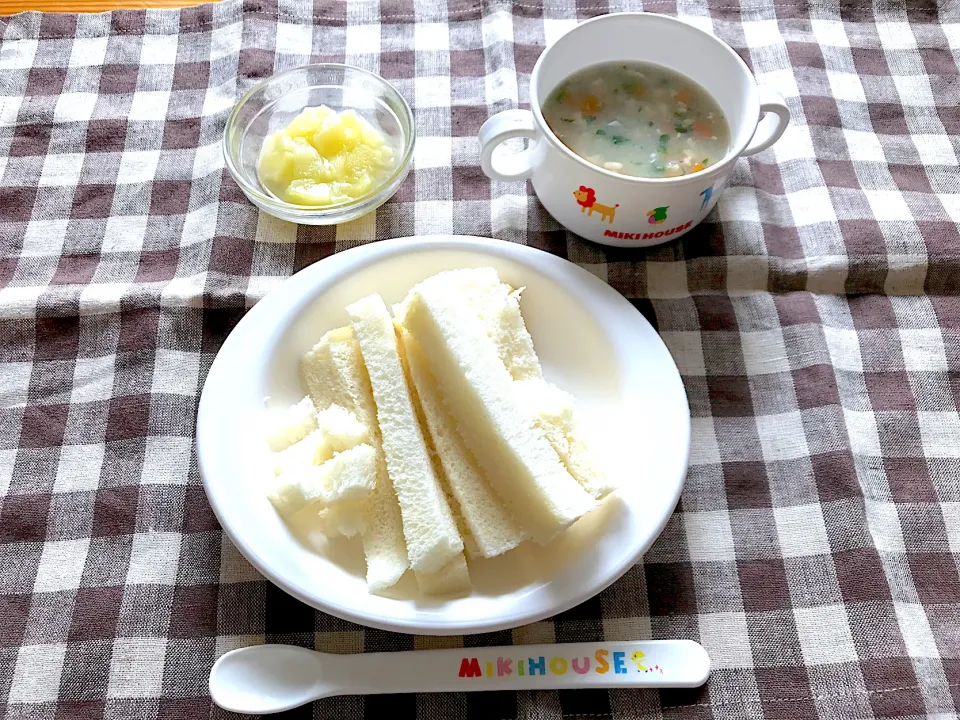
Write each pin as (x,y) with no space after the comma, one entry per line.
(616,209)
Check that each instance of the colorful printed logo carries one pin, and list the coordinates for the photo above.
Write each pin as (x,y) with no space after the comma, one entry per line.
(470,667)
(647,235)
(587,200)
(706,195)
(657,215)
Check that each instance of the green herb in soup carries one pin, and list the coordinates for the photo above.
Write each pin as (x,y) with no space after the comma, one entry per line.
(638,119)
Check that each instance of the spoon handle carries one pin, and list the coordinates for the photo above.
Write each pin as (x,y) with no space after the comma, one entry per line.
(650,663)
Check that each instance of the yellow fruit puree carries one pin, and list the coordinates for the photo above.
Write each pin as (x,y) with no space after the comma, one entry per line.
(325,158)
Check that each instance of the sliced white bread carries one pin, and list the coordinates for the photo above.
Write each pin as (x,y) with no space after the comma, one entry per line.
(335,429)
(498,306)
(428,525)
(346,477)
(450,579)
(311,450)
(555,416)
(349,475)
(296,488)
(520,464)
(328,382)
(335,375)
(491,527)
(350,480)
(553,410)
(454,577)
(469,546)
(341,429)
(346,518)
(285,427)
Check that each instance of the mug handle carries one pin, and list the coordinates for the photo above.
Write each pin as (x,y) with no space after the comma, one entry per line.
(774,116)
(502,127)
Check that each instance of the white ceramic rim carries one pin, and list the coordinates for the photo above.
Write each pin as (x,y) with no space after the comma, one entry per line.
(299,291)
(714,170)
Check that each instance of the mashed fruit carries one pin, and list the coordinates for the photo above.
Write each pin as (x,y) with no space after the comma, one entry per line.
(325,158)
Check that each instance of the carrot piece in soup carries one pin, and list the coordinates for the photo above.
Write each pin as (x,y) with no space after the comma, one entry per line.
(698,167)
(702,128)
(683,96)
(591,105)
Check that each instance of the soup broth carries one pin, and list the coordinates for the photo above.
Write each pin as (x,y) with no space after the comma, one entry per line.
(638,119)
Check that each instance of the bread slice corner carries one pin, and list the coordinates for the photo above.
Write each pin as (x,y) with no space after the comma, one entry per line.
(285,427)
(452,578)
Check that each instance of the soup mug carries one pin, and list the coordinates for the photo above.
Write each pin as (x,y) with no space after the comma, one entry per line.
(616,209)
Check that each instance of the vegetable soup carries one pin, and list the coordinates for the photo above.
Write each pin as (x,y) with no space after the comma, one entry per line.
(638,119)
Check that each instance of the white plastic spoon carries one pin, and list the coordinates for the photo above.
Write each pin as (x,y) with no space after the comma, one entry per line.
(272,678)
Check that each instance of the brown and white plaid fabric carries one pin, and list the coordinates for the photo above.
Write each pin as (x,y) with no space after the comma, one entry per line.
(814,316)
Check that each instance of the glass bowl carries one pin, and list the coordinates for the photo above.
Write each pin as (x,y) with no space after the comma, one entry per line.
(273,103)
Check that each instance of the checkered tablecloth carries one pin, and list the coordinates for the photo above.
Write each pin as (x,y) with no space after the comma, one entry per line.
(814,317)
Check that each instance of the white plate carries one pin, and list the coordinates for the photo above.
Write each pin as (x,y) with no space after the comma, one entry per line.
(591,341)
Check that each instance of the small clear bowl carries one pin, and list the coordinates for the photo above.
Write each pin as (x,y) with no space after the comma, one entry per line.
(273,103)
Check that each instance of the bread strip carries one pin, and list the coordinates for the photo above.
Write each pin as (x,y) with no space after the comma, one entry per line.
(492,528)
(428,525)
(519,463)
(553,410)
(334,374)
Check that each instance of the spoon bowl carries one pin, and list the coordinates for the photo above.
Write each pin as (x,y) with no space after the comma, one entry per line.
(268,679)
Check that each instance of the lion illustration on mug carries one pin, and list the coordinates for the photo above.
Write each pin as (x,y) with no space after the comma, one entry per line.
(587,200)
